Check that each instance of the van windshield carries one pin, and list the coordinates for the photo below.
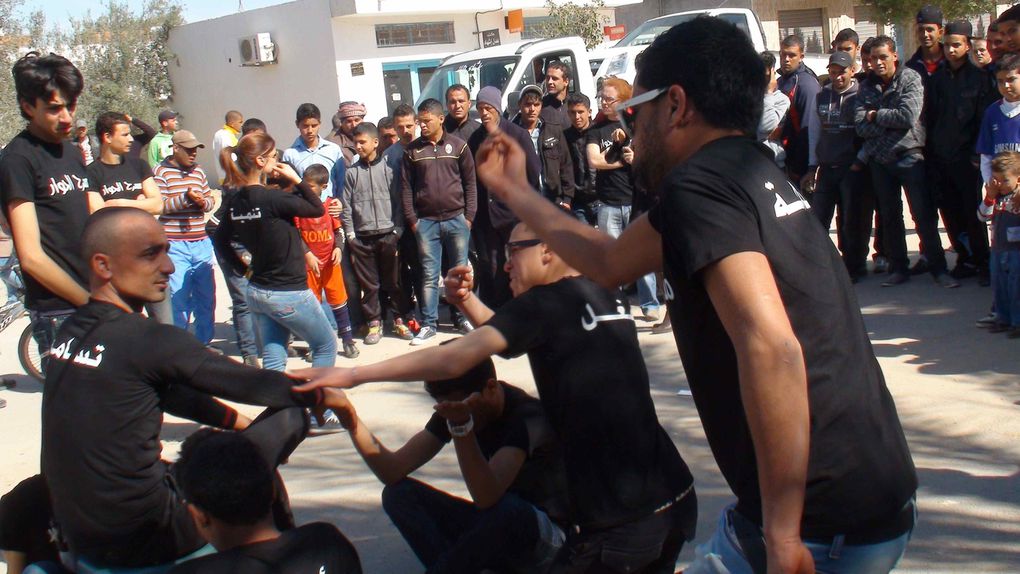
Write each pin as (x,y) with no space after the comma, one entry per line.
(647,33)
(475,74)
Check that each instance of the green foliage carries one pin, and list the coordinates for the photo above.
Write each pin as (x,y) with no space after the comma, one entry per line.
(570,19)
(898,11)
(124,58)
(17,36)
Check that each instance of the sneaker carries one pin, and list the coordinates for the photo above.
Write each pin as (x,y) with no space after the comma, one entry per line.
(896,279)
(986,321)
(328,423)
(401,331)
(350,350)
(251,361)
(920,267)
(413,325)
(650,314)
(464,327)
(423,335)
(944,280)
(881,265)
(666,326)
(374,333)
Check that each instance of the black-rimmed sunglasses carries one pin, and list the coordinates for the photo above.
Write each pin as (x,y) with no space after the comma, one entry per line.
(515,246)
(627,111)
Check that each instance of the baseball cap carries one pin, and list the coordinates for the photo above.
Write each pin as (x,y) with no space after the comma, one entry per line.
(186,139)
(959,28)
(842,59)
(929,15)
(531,88)
(81,124)
(167,115)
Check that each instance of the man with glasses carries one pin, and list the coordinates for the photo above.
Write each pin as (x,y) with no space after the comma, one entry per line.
(186,199)
(792,399)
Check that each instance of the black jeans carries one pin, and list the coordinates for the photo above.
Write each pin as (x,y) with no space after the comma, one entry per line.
(648,545)
(491,276)
(839,187)
(958,193)
(449,534)
(376,264)
(908,173)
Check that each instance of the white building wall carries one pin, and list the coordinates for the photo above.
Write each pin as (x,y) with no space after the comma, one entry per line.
(208,78)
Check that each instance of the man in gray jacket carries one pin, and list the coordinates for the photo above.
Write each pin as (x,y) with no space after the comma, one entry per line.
(373,222)
(888,117)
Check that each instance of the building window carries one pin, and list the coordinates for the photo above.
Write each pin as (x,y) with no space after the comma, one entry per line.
(864,23)
(534,27)
(415,34)
(809,25)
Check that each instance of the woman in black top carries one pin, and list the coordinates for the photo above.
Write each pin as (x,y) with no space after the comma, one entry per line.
(262,219)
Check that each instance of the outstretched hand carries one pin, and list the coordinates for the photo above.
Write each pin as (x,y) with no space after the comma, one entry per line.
(459,283)
(501,165)
(315,378)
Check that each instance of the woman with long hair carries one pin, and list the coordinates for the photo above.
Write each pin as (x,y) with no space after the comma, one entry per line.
(262,218)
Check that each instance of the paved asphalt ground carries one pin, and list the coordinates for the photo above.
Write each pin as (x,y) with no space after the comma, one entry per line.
(957,389)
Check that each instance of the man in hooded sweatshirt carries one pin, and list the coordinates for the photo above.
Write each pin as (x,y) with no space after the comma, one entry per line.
(800,84)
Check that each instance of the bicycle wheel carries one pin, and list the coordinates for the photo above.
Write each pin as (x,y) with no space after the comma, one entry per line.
(28,354)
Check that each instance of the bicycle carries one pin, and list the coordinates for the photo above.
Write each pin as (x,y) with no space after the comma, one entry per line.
(28,351)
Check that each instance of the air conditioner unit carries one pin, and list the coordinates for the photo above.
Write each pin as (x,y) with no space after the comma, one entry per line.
(257,50)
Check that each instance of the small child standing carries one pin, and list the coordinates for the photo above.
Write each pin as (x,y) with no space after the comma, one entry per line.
(1002,206)
(324,239)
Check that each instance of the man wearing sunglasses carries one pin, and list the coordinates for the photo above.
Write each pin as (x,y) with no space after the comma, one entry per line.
(792,399)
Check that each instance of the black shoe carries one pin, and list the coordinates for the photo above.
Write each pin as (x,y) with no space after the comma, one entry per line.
(1013,333)
(919,268)
(944,280)
(999,328)
(895,279)
(963,271)
(881,264)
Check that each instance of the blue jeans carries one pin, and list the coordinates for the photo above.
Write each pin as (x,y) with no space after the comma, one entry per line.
(449,534)
(244,324)
(1005,267)
(10,278)
(44,330)
(613,219)
(192,288)
(279,313)
(586,212)
(833,558)
(436,239)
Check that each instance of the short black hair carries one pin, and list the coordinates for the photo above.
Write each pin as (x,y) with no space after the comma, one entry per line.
(768,59)
(847,35)
(558,65)
(473,381)
(317,174)
(1010,15)
(39,77)
(366,128)
(456,88)
(792,40)
(431,106)
(868,45)
(530,96)
(224,474)
(577,99)
(107,121)
(305,111)
(884,41)
(251,125)
(402,111)
(385,123)
(717,67)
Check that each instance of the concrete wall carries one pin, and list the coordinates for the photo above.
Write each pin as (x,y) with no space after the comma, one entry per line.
(208,78)
(636,14)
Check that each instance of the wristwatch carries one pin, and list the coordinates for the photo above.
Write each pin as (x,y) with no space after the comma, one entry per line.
(461,431)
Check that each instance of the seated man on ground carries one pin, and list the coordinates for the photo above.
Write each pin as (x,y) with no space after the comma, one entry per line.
(631,495)
(228,486)
(510,464)
(114,373)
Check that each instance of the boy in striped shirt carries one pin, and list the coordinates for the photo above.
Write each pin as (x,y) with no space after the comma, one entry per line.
(186,198)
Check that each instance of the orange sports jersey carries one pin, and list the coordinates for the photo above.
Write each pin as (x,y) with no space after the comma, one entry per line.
(319,232)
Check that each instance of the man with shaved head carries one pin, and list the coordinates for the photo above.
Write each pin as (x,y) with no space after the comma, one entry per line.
(113,374)
(226,136)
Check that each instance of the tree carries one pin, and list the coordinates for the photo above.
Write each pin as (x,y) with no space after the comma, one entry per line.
(17,36)
(570,19)
(124,57)
(898,11)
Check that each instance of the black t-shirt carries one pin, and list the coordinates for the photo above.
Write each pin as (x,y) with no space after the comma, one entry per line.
(729,198)
(120,181)
(612,186)
(583,349)
(103,402)
(262,219)
(541,480)
(53,177)
(316,548)
(25,520)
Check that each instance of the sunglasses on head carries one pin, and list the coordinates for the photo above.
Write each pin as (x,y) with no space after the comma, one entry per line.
(627,111)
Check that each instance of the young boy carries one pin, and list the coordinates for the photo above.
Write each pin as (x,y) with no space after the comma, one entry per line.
(323,238)
(1000,126)
(1002,206)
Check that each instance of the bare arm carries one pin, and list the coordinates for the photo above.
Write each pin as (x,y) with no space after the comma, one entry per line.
(459,283)
(487,480)
(773,390)
(35,261)
(151,203)
(597,159)
(95,201)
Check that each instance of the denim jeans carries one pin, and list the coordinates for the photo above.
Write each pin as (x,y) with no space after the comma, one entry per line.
(586,212)
(1005,268)
(832,558)
(9,278)
(436,239)
(192,287)
(279,313)
(244,324)
(44,330)
(613,219)
(909,173)
(449,534)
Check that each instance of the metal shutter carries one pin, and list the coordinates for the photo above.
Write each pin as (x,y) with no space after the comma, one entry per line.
(809,25)
(864,23)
